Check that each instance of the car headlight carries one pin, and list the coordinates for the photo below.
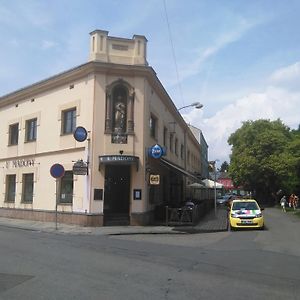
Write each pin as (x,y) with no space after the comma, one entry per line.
(234,215)
(258,215)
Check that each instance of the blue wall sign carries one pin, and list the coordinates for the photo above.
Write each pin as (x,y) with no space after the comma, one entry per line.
(157,151)
(80,134)
(57,171)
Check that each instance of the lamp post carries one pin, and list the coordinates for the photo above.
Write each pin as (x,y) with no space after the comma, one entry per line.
(196,105)
(213,165)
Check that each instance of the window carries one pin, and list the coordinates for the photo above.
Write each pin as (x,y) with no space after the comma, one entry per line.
(171,141)
(182,151)
(31,130)
(176,146)
(165,136)
(66,188)
(10,188)
(153,124)
(13,134)
(68,121)
(27,192)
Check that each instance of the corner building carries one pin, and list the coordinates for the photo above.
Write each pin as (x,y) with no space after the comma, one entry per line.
(125,109)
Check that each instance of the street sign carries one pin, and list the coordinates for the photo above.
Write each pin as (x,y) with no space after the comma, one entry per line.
(57,171)
(80,134)
(80,168)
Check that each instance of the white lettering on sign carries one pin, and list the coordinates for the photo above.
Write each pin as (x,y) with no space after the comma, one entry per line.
(19,163)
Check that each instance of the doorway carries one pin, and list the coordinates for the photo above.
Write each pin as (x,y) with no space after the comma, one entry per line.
(117,195)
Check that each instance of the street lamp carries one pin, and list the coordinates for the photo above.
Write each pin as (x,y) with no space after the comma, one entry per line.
(197,105)
(213,165)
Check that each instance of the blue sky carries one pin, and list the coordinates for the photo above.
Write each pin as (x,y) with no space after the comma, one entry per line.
(240,58)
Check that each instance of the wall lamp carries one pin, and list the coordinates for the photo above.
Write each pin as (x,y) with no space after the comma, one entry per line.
(197,105)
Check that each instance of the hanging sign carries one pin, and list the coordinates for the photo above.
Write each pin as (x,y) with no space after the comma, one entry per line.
(156,151)
(154,179)
(80,168)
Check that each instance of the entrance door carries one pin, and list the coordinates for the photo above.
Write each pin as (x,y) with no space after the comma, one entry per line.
(116,195)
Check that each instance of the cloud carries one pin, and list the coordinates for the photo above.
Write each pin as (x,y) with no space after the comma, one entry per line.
(288,77)
(223,40)
(275,102)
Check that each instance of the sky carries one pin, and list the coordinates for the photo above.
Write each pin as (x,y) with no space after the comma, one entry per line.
(239,58)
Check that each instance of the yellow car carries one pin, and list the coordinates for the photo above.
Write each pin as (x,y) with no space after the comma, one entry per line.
(245,214)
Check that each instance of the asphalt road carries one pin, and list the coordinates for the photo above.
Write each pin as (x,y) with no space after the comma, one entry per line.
(224,265)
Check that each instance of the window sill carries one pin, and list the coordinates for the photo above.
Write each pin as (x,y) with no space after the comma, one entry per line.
(31,141)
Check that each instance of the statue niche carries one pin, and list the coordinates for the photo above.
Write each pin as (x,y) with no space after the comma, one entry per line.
(119,115)
(119,112)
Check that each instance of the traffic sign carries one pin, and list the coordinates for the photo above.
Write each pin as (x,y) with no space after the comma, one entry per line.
(80,134)
(57,171)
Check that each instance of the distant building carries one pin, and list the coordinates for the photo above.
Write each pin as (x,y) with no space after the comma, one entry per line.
(204,151)
(229,187)
(137,154)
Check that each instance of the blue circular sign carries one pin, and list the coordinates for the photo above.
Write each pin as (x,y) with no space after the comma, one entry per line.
(80,134)
(156,151)
(57,171)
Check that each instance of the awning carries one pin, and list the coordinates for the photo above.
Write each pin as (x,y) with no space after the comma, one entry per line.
(211,184)
(196,185)
(119,160)
(177,168)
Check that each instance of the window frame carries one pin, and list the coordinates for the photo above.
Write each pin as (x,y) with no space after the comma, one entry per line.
(153,126)
(171,141)
(25,177)
(8,186)
(176,146)
(13,134)
(68,197)
(65,119)
(31,131)
(165,136)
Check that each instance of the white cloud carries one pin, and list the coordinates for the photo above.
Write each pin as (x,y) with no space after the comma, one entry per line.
(288,77)
(222,41)
(276,102)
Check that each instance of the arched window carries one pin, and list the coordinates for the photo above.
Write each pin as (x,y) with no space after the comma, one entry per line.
(119,111)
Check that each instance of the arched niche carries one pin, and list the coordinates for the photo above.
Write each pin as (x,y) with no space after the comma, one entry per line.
(119,114)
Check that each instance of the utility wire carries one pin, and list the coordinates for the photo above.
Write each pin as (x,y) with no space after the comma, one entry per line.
(173,52)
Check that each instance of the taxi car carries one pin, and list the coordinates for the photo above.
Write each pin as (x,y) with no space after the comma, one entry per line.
(245,213)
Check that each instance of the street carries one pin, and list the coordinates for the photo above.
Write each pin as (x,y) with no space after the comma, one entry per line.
(221,265)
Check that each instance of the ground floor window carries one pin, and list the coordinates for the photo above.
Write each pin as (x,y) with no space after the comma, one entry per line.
(66,188)
(10,194)
(27,192)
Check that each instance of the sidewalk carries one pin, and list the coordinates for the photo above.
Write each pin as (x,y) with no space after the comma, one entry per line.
(210,223)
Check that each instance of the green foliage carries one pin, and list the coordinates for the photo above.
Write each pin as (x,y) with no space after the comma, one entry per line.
(224,167)
(265,157)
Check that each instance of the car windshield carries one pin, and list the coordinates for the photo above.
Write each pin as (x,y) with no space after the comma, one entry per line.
(244,205)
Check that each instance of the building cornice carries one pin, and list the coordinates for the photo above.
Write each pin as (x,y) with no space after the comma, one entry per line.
(96,67)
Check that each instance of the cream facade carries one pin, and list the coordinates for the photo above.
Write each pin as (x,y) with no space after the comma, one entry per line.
(125,110)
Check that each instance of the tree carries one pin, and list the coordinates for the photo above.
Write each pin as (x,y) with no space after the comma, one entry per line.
(264,158)
(224,167)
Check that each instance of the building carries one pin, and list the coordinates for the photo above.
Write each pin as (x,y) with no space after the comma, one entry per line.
(203,152)
(135,158)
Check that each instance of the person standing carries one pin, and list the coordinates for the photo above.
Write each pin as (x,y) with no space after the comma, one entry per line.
(283,203)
